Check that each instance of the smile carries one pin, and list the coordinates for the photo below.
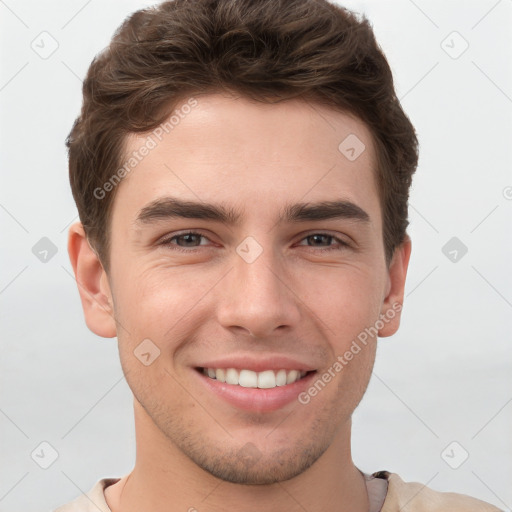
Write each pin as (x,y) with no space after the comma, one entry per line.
(266,379)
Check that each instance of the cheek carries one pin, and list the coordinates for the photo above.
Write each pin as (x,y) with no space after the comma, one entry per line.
(344,301)
(162,305)
(154,309)
(167,304)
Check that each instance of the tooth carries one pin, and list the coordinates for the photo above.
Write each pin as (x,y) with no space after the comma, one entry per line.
(281,378)
(291,377)
(231,376)
(248,379)
(267,379)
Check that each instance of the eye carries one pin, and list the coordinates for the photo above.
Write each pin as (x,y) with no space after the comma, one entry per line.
(318,238)
(190,239)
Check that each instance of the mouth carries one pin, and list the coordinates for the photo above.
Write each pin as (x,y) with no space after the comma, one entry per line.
(267,379)
(262,391)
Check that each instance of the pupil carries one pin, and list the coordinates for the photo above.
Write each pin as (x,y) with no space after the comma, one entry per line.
(189,238)
(317,238)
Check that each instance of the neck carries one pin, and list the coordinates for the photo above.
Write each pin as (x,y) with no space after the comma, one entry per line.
(164,479)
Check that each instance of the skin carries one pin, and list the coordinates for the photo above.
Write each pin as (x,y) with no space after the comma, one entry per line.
(295,299)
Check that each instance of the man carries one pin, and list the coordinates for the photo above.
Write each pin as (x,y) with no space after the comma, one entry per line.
(241,170)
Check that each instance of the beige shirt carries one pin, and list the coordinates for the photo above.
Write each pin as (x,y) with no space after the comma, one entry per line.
(387,492)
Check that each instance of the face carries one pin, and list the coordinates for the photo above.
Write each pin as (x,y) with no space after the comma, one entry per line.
(247,246)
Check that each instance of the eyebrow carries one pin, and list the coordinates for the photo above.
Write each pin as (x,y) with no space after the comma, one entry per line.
(172,207)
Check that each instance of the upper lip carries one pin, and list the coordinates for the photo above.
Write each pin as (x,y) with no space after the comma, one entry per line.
(260,364)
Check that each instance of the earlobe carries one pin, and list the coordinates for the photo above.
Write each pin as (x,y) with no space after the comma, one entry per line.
(92,282)
(392,305)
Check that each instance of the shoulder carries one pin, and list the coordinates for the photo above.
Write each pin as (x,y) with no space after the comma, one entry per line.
(93,501)
(415,497)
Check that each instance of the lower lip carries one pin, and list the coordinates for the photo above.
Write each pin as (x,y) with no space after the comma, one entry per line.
(256,399)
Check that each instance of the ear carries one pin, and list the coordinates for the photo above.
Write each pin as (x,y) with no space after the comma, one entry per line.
(92,282)
(392,306)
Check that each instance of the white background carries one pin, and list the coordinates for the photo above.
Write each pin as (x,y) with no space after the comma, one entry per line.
(445,376)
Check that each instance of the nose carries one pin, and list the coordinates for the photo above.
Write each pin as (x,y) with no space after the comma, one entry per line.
(258,298)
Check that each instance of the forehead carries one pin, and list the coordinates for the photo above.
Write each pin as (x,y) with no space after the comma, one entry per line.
(231,150)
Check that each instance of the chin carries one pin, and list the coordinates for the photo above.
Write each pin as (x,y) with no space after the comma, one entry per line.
(249,467)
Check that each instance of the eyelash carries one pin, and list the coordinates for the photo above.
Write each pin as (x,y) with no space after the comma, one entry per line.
(167,242)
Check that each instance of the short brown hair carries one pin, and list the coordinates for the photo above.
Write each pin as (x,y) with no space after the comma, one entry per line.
(266,50)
